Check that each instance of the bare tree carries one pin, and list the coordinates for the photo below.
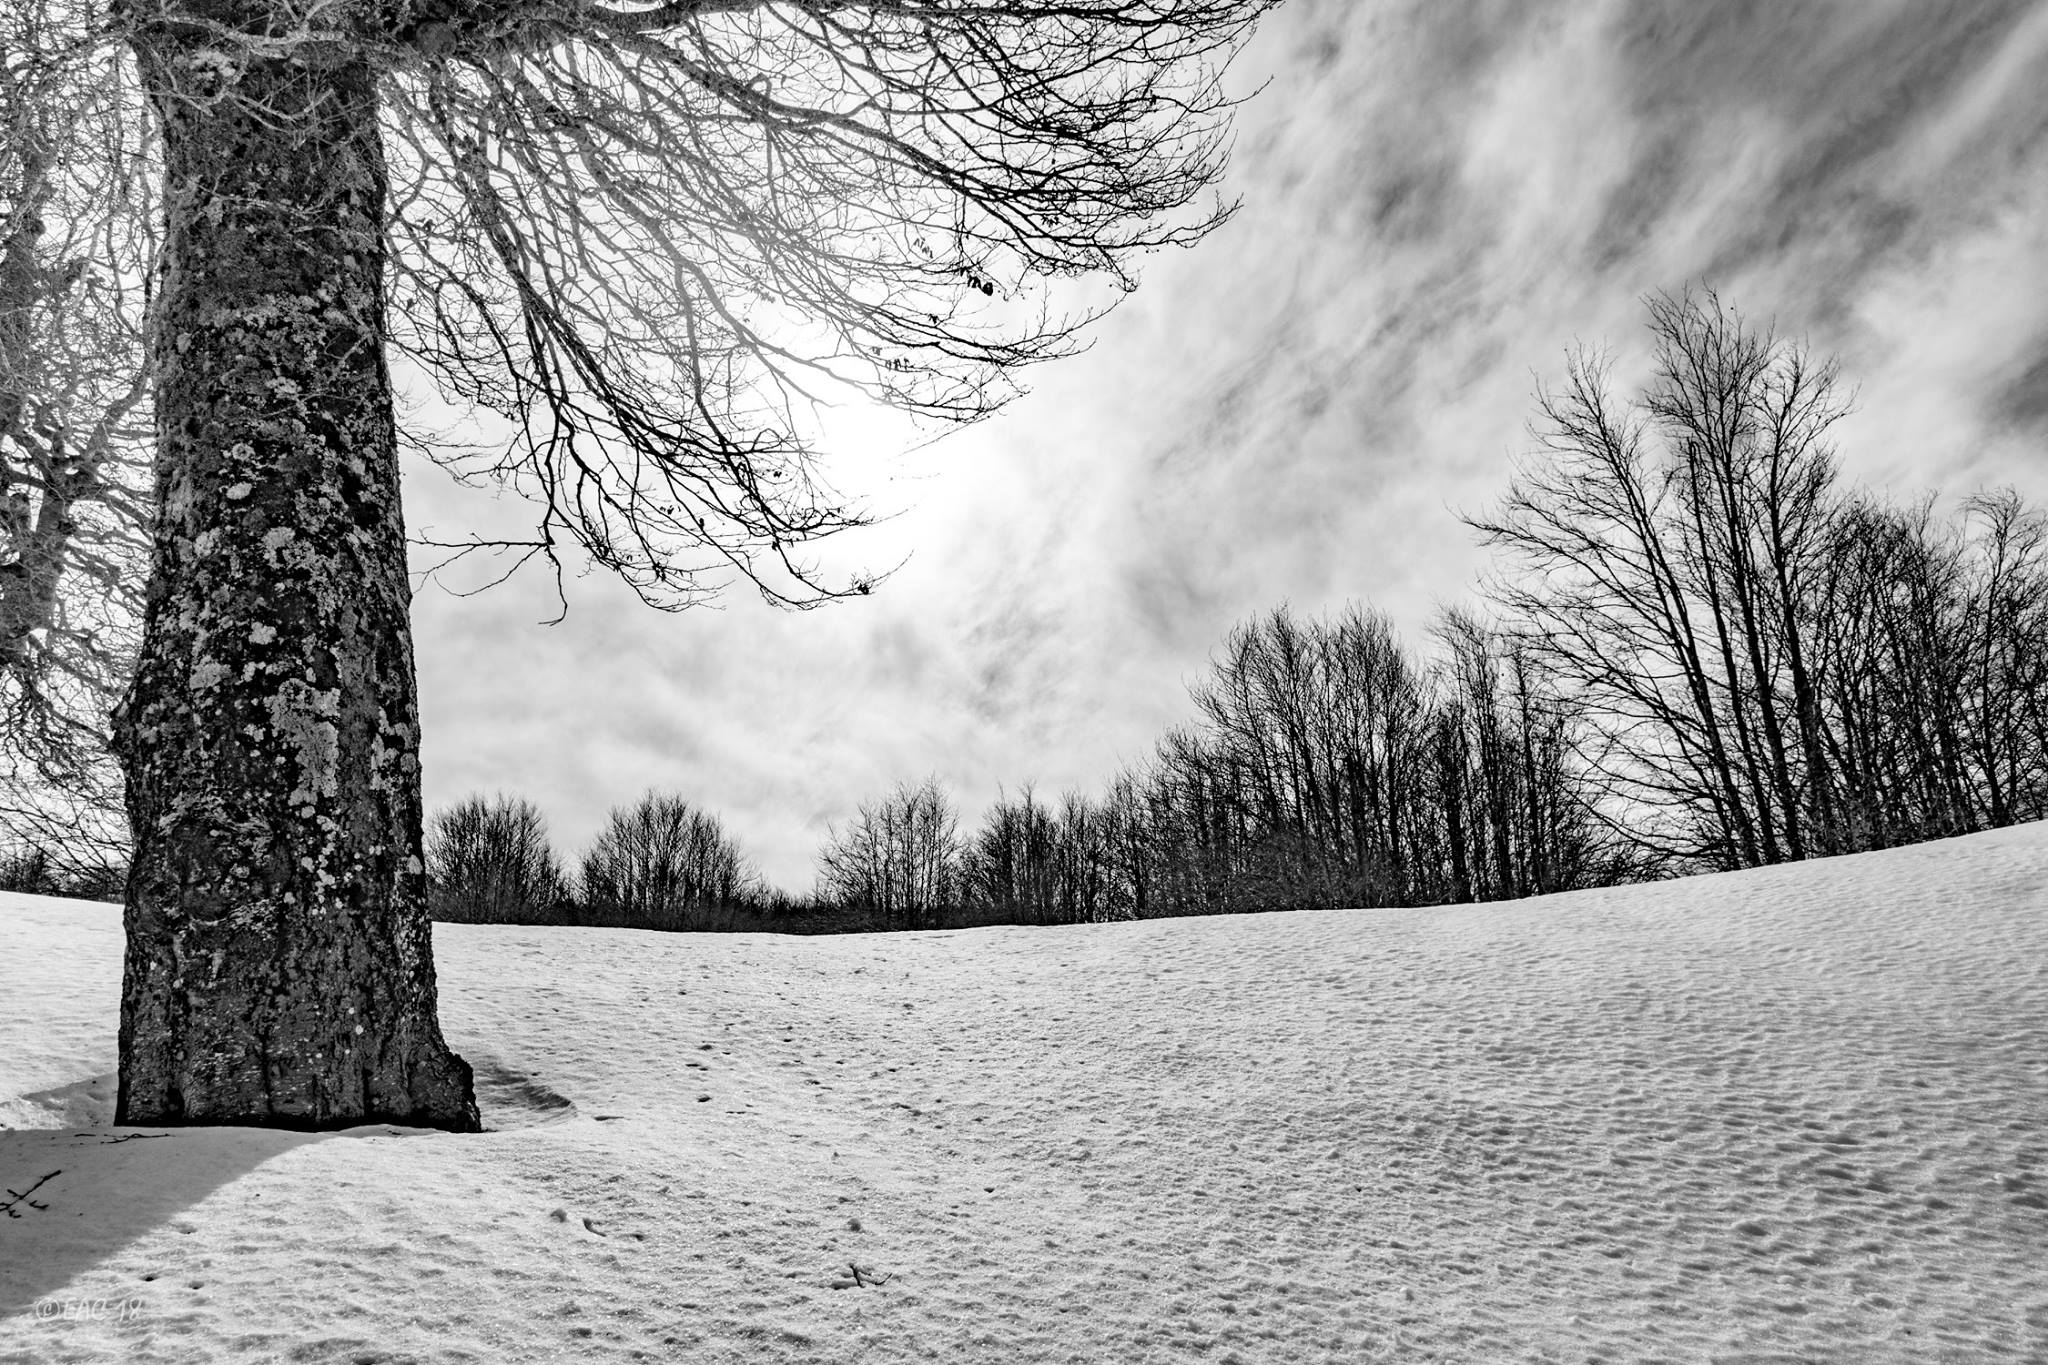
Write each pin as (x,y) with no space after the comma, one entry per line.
(1328,768)
(1129,853)
(663,864)
(1933,689)
(1888,621)
(489,862)
(2004,615)
(1311,733)
(1007,868)
(1521,813)
(1777,668)
(649,235)
(1663,552)
(898,859)
(75,231)
(1034,863)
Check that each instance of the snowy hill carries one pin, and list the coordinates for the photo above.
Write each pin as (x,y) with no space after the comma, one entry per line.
(1797,1114)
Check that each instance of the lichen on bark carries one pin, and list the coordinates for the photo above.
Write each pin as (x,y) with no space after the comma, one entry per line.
(279,968)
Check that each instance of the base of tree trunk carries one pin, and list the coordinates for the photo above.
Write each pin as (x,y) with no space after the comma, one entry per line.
(259,1019)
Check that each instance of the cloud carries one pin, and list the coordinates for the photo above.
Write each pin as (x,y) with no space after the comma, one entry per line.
(1438,200)
(2022,400)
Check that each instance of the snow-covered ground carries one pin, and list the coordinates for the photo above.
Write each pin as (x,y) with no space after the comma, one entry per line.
(1791,1115)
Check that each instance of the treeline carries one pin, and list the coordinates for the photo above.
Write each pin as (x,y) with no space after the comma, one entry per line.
(82,871)
(1704,651)
(660,863)
(1328,767)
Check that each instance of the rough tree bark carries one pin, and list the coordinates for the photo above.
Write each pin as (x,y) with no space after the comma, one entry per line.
(279,969)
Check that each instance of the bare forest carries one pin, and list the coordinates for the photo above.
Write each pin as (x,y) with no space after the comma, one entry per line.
(1702,650)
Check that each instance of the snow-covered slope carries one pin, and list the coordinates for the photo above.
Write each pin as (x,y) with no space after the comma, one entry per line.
(1797,1114)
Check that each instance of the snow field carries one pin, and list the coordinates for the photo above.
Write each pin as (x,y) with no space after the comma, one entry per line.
(1798,1114)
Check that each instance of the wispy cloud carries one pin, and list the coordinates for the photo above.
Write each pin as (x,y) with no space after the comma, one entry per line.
(1439,199)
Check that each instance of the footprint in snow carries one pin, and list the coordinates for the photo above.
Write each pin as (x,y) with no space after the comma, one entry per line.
(591,1226)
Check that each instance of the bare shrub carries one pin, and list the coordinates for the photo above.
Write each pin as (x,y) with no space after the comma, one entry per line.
(661,863)
(488,862)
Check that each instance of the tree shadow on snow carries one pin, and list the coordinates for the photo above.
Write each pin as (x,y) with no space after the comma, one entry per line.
(507,1098)
(76,1190)
(75,1196)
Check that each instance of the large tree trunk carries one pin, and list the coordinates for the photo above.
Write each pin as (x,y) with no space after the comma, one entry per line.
(279,969)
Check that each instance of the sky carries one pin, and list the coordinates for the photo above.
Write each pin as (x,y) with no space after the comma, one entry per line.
(1439,200)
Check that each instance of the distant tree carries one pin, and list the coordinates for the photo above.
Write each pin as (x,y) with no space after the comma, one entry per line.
(1006,869)
(29,868)
(1521,812)
(1082,878)
(651,237)
(1311,737)
(1662,552)
(1329,768)
(1887,626)
(1130,857)
(1933,644)
(898,859)
(1031,863)
(663,864)
(1777,667)
(489,862)
(1197,826)
(28,871)
(2004,616)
